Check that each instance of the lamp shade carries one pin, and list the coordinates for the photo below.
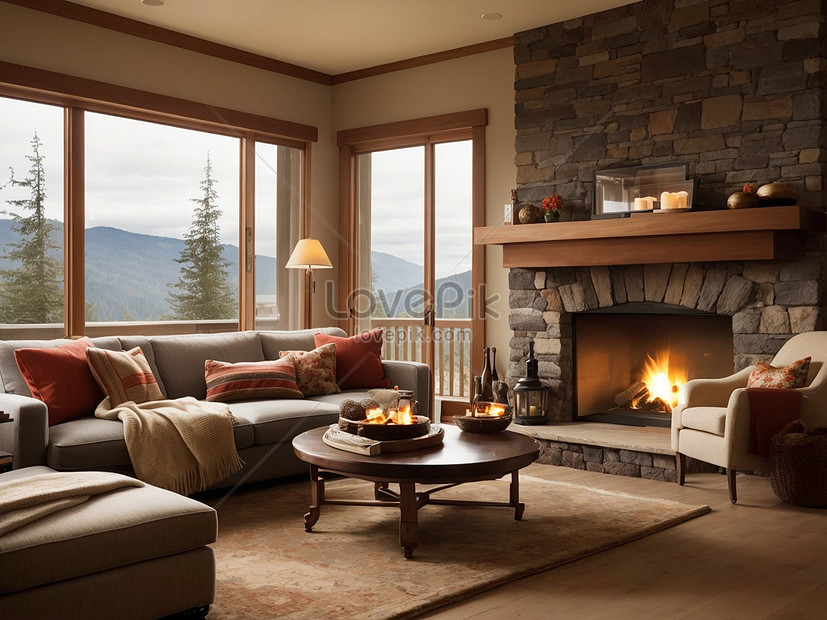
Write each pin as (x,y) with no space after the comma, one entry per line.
(309,254)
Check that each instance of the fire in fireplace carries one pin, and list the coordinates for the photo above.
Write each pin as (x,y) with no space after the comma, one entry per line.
(659,387)
(629,366)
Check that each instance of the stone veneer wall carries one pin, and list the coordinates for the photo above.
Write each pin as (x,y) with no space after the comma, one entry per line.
(732,87)
(768,301)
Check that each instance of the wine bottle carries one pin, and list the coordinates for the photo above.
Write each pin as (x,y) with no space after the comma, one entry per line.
(487,391)
(476,396)
(494,376)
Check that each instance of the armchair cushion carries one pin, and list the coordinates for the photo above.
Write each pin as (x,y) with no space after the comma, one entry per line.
(793,376)
(706,419)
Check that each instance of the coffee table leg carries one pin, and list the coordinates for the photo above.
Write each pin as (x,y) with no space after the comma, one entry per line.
(519,507)
(316,499)
(408,526)
(381,492)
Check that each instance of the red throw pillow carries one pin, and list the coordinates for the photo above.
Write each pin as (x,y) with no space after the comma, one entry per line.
(61,378)
(358,361)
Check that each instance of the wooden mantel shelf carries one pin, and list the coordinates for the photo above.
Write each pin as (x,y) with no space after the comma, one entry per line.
(693,236)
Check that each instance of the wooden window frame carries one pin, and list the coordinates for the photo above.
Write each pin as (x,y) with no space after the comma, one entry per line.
(79,95)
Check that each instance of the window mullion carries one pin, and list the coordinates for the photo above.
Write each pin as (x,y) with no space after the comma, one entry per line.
(246,234)
(74,214)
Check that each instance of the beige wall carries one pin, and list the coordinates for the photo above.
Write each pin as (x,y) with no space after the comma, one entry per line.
(480,81)
(44,41)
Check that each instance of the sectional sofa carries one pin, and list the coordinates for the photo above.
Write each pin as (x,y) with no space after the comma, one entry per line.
(144,552)
(265,428)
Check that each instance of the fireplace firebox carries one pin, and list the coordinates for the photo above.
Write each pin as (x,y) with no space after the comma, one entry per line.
(630,361)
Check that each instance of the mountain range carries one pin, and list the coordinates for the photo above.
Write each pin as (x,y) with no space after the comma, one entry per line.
(128,275)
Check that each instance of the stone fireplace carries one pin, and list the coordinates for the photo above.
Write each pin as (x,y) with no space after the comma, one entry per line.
(767,301)
(733,88)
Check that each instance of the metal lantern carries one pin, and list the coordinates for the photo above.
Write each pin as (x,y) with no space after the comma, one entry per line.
(530,395)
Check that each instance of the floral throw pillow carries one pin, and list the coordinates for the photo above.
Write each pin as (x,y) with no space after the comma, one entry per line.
(315,370)
(790,377)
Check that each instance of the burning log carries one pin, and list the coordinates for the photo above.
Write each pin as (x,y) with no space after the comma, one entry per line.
(656,405)
(642,397)
(632,395)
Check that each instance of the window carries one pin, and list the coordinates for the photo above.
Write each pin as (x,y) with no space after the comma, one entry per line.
(162,207)
(31,216)
(278,218)
(161,223)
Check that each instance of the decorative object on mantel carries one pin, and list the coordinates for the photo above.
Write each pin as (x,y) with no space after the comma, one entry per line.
(777,194)
(552,205)
(745,199)
(619,192)
(530,214)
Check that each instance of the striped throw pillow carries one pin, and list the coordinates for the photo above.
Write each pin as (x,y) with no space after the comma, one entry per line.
(228,382)
(123,375)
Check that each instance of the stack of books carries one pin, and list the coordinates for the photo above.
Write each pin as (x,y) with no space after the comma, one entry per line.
(337,438)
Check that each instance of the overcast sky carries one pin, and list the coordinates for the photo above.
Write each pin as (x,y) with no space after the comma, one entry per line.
(142,177)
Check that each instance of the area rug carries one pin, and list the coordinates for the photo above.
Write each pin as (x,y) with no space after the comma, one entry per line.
(351,565)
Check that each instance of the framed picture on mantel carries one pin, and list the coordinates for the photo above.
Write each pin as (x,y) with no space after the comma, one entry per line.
(619,192)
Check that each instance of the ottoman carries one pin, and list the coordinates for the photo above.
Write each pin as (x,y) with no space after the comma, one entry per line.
(130,553)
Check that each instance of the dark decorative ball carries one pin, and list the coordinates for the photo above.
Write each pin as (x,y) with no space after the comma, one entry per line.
(351,410)
(530,214)
(369,403)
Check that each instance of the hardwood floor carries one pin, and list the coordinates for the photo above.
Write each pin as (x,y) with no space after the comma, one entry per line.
(761,558)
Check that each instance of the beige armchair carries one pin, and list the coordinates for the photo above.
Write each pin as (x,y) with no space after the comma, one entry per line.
(713,422)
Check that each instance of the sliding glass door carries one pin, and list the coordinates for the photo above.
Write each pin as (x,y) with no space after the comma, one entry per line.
(415,267)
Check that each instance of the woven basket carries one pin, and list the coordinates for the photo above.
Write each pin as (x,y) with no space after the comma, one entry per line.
(798,465)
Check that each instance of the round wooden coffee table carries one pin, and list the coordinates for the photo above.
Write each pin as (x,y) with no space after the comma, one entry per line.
(462,457)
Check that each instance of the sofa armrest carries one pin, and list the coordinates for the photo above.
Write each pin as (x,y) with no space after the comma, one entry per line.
(28,434)
(414,376)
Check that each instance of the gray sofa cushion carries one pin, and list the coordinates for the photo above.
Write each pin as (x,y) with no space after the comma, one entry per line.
(94,443)
(278,421)
(115,529)
(336,399)
(180,359)
(273,342)
(12,382)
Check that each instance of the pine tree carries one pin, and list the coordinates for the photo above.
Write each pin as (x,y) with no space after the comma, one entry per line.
(32,292)
(205,290)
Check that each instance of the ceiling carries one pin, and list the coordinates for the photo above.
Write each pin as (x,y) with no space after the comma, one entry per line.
(339,36)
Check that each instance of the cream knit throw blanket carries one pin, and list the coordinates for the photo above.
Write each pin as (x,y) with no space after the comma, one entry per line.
(24,500)
(183,445)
